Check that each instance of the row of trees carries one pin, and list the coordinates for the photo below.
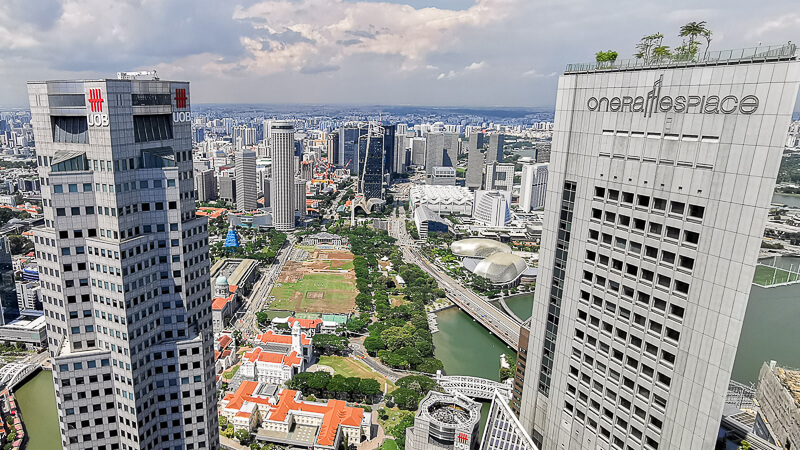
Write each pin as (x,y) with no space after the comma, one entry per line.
(323,385)
(400,337)
(651,48)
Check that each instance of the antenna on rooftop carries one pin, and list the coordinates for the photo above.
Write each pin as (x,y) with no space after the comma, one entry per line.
(134,75)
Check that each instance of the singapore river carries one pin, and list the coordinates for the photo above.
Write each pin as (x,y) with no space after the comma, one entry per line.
(37,401)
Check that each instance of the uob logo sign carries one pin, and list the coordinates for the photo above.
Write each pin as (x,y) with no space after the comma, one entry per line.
(180,103)
(654,102)
(97,118)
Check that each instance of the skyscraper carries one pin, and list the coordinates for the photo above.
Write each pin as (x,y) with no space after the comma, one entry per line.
(533,186)
(434,156)
(495,151)
(300,197)
(349,157)
(451,147)
(400,153)
(389,132)
(9,308)
(418,151)
(205,185)
(474,162)
(124,265)
(371,145)
(246,187)
(499,176)
(659,187)
(282,182)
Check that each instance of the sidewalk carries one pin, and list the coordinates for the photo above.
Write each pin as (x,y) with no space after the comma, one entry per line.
(381,436)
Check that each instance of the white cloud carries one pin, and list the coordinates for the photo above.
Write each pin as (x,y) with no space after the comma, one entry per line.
(533,73)
(336,30)
(470,68)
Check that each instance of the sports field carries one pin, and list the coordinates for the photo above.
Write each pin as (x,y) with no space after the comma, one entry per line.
(767,276)
(317,292)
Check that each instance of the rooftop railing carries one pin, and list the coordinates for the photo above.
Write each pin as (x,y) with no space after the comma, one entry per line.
(754,54)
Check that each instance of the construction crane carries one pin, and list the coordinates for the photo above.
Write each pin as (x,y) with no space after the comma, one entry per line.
(133,75)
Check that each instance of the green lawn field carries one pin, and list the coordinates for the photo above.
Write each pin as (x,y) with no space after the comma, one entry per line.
(765,275)
(330,293)
(349,367)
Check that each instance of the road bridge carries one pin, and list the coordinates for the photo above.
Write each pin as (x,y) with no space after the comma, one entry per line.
(497,322)
(474,387)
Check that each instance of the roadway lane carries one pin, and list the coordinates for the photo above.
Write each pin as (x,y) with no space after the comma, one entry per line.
(481,310)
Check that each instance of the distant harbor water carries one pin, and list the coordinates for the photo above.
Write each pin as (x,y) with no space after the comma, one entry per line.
(784,199)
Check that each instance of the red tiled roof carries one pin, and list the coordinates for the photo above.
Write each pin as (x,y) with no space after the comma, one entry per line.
(232,288)
(243,414)
(220,302)
(216,355)
(335,413)
(270,336)
(224,341)
(305,323)
(269,357)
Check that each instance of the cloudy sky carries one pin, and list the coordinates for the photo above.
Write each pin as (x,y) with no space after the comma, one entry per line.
(423,52)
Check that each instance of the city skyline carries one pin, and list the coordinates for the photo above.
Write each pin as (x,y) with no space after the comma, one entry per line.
(337,51)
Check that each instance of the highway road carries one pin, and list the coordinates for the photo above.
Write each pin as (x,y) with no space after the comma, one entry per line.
(246,321)
(476,306)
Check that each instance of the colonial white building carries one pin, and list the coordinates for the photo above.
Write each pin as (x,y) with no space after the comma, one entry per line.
(257,407)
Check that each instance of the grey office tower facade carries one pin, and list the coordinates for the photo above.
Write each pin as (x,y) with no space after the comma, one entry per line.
(659,186)
(124,265)
(495,150)
(475,158)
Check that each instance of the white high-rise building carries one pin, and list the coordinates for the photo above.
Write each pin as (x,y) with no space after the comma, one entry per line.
(246,185)
(282,185)
(123,264)
(492,208)
(659,187)
(533,187)
(499,176)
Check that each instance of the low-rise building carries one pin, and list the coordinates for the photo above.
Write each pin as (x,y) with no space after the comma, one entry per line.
(445,421)
(442,199)
(326,239)
(268,367)
(233,280)
(29,328)
(283,343)
(778,396)
(428,222)
(224,353)
(284,418)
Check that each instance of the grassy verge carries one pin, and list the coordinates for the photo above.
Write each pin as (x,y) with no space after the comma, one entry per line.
(394,418)
(765,275)
(349,367)
(229,374)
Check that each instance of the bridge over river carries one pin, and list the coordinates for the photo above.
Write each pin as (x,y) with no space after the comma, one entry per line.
(495,320)
(474,387)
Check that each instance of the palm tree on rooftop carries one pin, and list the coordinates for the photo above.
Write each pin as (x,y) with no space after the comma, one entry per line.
(693,30)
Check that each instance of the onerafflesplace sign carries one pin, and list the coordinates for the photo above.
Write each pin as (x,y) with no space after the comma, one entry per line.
(654,102)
